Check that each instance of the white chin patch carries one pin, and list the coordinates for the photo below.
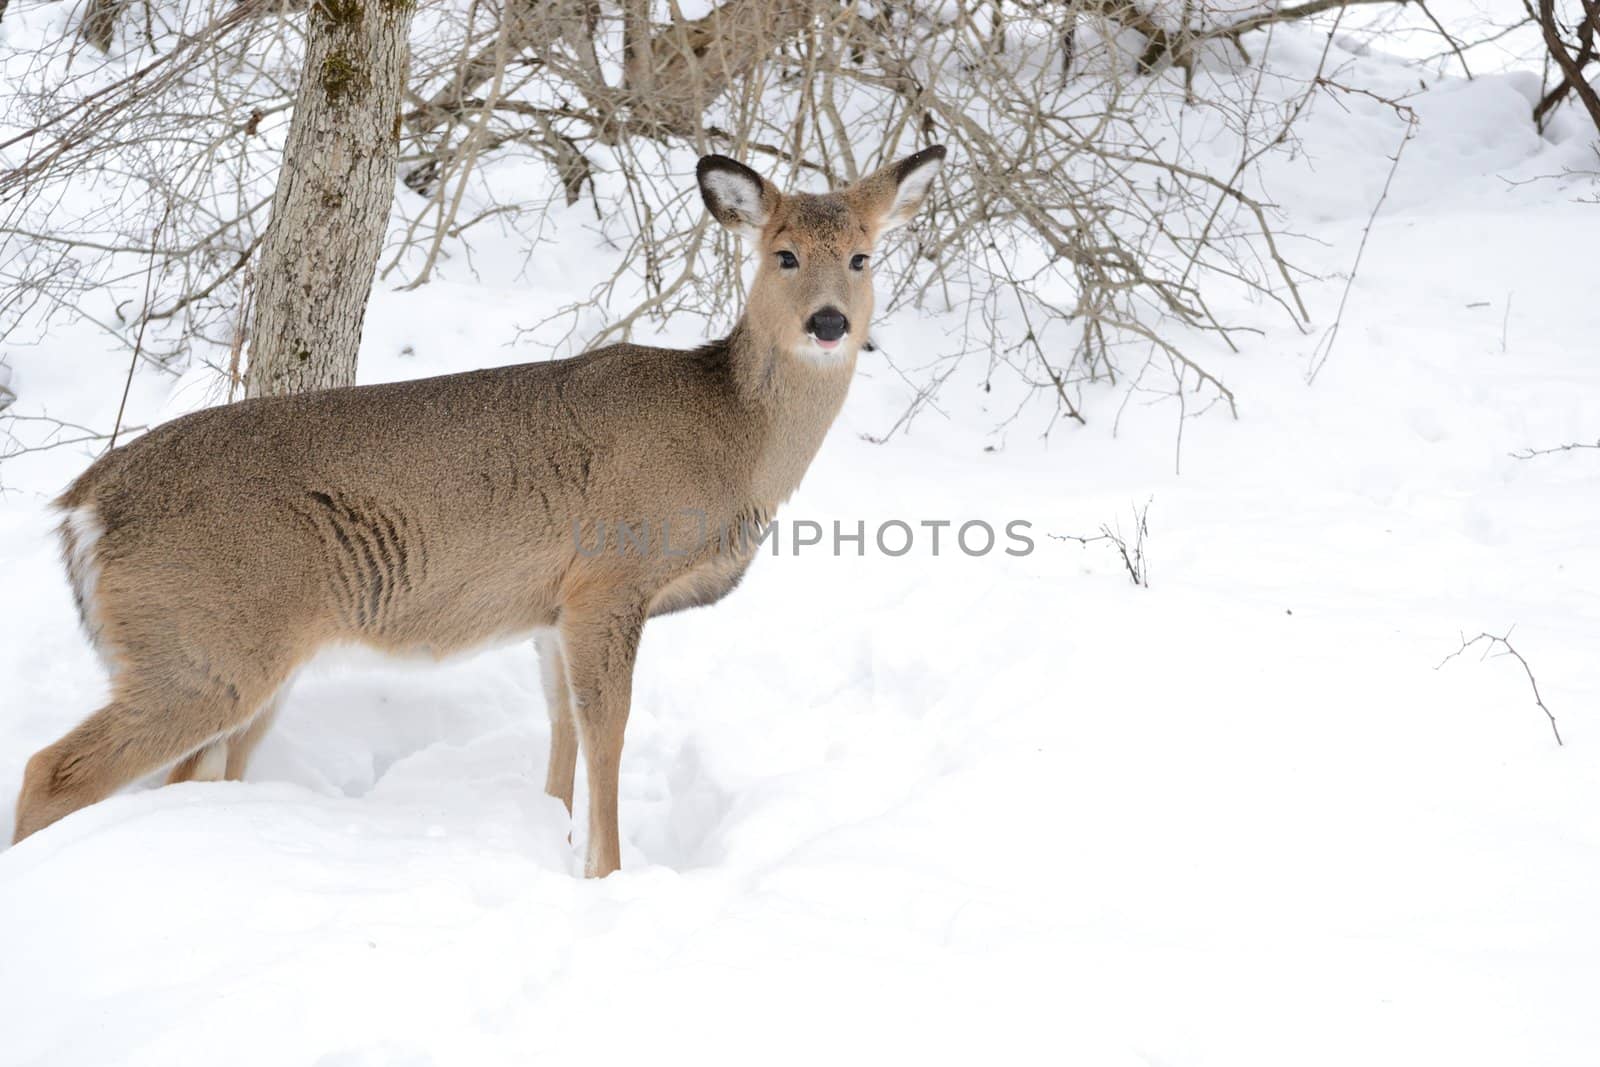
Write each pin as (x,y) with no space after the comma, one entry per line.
(821,352)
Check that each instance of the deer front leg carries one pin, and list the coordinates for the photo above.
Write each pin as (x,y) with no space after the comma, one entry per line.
(563,729)
(227,756)
(599,647)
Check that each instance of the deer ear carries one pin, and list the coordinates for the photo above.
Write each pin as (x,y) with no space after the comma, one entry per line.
(736,196)
(897,191)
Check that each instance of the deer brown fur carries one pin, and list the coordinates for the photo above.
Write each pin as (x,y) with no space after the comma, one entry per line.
(217,553)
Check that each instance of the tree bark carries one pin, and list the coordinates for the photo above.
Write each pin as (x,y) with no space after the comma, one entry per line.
(334,193)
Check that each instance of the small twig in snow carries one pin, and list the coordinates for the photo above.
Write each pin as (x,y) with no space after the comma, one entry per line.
(1490,641)
(1132,555)
(1326,344)
(1529,453)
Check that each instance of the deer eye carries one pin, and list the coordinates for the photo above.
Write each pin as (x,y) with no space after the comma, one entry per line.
(788,261)
(858,261)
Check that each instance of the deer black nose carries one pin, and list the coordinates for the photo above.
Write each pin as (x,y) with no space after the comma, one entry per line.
(829,324)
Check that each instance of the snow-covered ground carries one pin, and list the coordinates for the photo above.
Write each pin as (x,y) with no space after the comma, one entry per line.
(940,808)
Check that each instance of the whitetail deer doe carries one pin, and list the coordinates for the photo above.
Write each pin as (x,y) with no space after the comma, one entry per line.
(220,551)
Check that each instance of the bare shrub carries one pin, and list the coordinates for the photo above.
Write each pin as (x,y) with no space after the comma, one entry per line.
(1129,547)
(1083,233)
(1076,243)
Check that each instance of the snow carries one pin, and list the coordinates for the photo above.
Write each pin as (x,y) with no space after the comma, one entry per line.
(943,808)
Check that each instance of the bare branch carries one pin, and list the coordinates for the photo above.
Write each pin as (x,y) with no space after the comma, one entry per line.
(1130,549)
(1572,66)
(1325,346)
(1490,643)
(1529,453)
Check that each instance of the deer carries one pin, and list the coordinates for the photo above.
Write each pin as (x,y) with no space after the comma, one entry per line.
(215,555)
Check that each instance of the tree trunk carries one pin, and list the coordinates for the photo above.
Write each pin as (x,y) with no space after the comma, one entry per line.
(335,189)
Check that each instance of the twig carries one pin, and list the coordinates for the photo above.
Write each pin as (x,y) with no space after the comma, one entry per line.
(241,329)
(1490,642)
(144,320)
(1529,453)
(63,442)
(1132,556)
(1326,344)
(1285,14)
(1455,46)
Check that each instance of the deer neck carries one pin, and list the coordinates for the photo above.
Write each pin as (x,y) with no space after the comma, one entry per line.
(794,398)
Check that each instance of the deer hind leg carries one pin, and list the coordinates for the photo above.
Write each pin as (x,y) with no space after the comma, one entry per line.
(599,648)
(145,727)
(563,728)
(227,757)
